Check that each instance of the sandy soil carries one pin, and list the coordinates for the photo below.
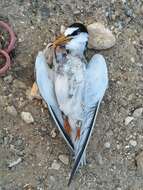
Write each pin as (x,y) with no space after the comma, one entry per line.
(114,145)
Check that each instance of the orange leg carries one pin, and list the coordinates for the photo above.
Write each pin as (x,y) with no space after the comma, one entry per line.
(67,126)
(77,133)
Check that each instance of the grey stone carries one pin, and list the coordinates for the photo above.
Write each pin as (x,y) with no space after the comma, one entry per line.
(128,120)
(55,165)
(133,142)
(107,145)
(8,79)
(64,159)
(138,112)
(12,110)
(19,84)
(139,161)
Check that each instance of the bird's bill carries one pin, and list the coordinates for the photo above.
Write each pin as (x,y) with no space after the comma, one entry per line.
(61,40)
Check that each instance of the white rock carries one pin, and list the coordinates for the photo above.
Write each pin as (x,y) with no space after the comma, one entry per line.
(139,161)
(128,120)
(55,165)
(107,145)
(11,110)
(138,112)
(64,159)
(100,37)
(62,29)
(53,133)
(27,117)
(132,59)
(133,143)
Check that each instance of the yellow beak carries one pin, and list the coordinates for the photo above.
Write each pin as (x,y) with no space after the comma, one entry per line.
(61,40)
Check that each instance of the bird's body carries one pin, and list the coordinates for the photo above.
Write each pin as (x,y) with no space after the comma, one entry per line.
(73,91)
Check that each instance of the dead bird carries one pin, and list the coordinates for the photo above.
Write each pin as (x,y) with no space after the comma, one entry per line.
(73,89)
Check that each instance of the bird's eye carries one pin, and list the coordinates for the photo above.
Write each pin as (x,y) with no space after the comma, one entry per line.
(75,33)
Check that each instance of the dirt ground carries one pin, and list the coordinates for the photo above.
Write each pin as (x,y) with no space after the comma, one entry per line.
(115,143)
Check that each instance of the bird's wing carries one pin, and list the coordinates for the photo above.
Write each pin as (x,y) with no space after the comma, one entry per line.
(46,88)
(96,82)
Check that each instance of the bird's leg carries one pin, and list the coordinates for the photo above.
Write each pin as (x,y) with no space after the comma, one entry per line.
(67,126)
(78,129)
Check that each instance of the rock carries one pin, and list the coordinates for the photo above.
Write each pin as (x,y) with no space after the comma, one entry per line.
(139,161)
(55,165)
(62,29)
(64,159)
(132,59)
(128,120)
(133,142)
(27,117)
(11,110)
(107,145)
(138,112)
(44,12)
(100,37)
(19,84)
(100,159)
(3,100)
(8,79)
(53,133)
(141,10)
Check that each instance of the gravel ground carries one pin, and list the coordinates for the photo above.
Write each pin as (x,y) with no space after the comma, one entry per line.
(32,153)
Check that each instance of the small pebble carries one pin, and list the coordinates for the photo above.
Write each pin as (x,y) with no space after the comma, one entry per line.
(100,159)
(55,165)
(19,84)
(141,10)
(27,117)
(133,143)
(139,161)
(128,120)
(11,110)
(107,145)
(8,79)
(132,59)
(44,12)
(53,133)
(14,163)
(62,29)
(138,112)
(64,159)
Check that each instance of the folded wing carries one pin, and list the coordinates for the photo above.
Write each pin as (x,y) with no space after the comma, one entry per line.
(96,83)
(44,81)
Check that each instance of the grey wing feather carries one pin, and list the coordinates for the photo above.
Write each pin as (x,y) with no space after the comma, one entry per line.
(96,84)
(45,85)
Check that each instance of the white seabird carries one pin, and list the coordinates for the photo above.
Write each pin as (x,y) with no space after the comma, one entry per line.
(73,89)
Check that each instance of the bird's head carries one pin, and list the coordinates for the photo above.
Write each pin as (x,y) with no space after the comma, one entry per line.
(74,39)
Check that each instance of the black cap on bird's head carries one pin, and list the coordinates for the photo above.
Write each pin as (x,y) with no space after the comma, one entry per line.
(81,27)
(74,38)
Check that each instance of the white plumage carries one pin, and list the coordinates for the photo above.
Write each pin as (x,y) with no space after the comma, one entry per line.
(75,89)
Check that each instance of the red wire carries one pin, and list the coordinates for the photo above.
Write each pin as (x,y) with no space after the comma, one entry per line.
(7,62)
(5,52)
